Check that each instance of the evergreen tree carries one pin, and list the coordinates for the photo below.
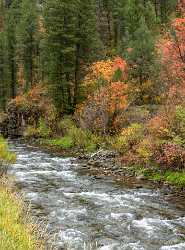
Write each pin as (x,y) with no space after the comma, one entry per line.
(71,42)
(142,59)
(164,9)
(3,87)
(2,57)
(12,19)
(134,11)
(60,19)
(74,34)
(27,41)
(110,15)
(88,43)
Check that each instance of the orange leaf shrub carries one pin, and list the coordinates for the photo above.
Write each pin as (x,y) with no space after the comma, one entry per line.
(173,60)
(106,70)
(97,113)
(33,105)
(158,126)
(105,101)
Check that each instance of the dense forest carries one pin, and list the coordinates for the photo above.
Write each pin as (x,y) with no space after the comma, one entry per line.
(102,81)
(55,42)
(97,73)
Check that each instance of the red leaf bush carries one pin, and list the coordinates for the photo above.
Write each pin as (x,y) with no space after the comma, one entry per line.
(171,156)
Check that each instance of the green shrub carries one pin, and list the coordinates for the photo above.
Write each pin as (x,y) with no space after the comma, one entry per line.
(79,136)
(144,150)
(156,177)
(90,147)
(178,140)
(66,124)
(129,137)
(64,142)
(84,139)
(178,125)
(175,178)
(93,142)
(44,130)
(74,137)
(180,115)
(5,156)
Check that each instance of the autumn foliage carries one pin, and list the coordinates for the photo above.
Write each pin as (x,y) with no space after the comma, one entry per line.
(171,156)
(173,59)
(103,105)
(33,105)
(106,70)
(163,140)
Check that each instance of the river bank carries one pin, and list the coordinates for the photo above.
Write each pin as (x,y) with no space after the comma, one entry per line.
(82,208)
(17,230)
(107,163)
(153,160)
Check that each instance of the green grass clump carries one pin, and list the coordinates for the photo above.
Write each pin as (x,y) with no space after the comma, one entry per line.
(84,139)
(15,232)
(175,178)
(5,155)
(66,124)
(42,131)
(64,142)
(75,137)
(157,177)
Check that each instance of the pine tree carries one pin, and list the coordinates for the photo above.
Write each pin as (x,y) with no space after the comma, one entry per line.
(3,87)
(88,44)
(71,42)
(136,10)
(12,19)
(142,53)
(142,59)
(2,58)
(110,15)
(60,19)
(27,41)
(164,9)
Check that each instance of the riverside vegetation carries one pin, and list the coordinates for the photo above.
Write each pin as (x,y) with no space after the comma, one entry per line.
(16,229)
(103,79)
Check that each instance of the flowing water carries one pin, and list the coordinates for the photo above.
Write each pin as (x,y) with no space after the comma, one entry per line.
(87,213)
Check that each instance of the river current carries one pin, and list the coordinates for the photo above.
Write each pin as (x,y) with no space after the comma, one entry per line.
(85,213)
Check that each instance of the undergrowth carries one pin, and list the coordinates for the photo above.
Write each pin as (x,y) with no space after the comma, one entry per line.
(16,230)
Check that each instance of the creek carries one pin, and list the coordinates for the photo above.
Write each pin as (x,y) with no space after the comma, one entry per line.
(83,212)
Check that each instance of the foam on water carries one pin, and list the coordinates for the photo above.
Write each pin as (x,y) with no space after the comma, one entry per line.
(81,210)
(180,246)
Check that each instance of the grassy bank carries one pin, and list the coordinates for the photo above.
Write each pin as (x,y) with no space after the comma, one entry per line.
(174,178)
(133,145)
(156,174)
(16,230)
(67,139)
